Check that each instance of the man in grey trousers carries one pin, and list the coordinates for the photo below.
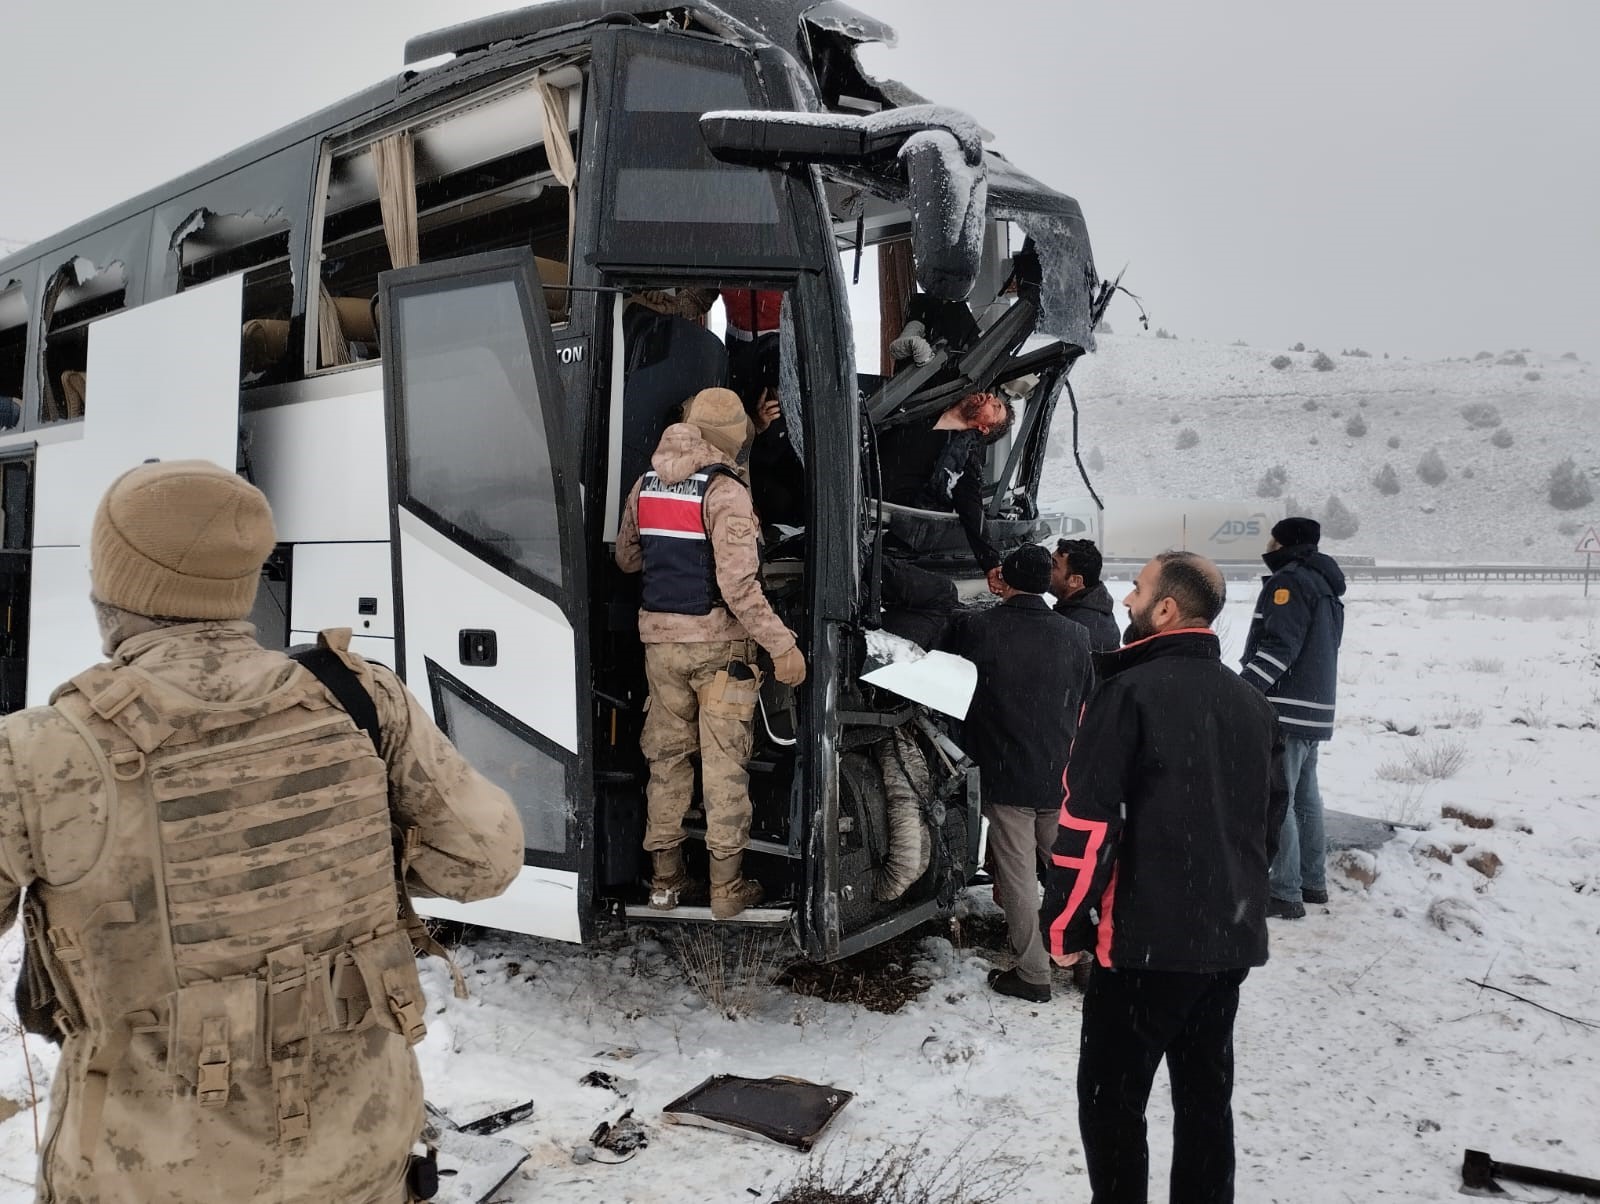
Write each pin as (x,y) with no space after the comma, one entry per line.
(1034,671)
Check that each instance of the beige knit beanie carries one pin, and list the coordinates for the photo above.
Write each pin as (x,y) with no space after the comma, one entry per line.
(183,539)
(721,418)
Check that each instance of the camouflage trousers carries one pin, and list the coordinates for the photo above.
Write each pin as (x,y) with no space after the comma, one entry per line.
(702,699)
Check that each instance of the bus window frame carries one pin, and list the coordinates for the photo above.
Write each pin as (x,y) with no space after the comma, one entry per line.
(26,277)
(361,136)
(604,158)
(126,242)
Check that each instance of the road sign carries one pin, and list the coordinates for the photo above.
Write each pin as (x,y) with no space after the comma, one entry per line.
(1590,542)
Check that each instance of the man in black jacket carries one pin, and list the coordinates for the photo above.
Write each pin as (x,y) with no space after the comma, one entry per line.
(1033,674)
(1080,594)
(1174,797)
(937,464)
(1292,656)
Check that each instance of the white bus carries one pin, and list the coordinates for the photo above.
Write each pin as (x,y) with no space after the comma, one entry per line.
(442,323)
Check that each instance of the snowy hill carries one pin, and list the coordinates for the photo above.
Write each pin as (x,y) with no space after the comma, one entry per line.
(1139,394)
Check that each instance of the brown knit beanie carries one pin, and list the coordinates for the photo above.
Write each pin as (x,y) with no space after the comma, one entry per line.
(183,539)
(721,418)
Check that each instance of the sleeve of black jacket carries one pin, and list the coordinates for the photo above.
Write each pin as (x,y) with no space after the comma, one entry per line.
(1281,632)
(967,498)
(1092,813)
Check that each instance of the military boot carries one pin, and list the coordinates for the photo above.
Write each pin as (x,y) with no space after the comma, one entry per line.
(671,880)
(731,894)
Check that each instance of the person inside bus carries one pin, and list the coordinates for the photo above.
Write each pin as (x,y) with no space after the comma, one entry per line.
(937,464)
(690,529)
(777,477)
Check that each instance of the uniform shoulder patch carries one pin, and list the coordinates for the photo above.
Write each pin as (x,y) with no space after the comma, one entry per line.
(1279,597)
(741,528)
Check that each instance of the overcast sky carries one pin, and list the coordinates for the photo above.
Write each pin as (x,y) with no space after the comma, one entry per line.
(1416,177)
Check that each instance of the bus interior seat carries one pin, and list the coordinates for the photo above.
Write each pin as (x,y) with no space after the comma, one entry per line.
(74,387)
(264,342)
(668,360)
(554,274)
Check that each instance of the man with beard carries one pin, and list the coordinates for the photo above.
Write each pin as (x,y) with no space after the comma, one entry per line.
(1292,656)
(1080,594)
(1174,798)
(938,465)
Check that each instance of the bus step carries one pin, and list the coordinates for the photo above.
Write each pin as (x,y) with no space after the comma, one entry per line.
(759,917)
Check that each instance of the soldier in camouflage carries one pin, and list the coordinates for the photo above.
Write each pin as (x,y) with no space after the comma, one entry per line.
(690,528)
(212,910)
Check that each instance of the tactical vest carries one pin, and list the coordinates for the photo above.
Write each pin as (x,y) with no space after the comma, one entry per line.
(680,569)
(236,896)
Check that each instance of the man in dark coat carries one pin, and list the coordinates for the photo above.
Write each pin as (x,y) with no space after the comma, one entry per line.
(1174,797)
(1292,656)
(936,463)
(1080,594)
(1033,674)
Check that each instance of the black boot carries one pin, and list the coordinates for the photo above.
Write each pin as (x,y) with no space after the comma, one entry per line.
(1009,982)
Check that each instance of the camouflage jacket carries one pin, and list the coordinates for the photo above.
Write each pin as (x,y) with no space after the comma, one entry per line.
(150,1135)
(731,523)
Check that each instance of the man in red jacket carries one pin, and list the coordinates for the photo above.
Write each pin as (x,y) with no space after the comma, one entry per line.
(1174,796)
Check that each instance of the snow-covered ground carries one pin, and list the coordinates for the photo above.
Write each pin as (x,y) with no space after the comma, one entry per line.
(1366,1060)
(1139,394)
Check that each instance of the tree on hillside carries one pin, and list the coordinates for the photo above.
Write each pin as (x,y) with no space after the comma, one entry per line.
(1338,522)
(1272,481)
(1322,363)
(1356,427)
(1387,482)
(1501,437)
(1431,467)
(1569,486)
(1095,460)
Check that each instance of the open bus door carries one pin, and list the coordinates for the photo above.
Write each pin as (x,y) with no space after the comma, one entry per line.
(489,574)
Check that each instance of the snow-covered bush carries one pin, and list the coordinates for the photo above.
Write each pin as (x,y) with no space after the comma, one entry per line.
(1480,415)
(1298,347)
(1272,481)
(1393,442)
(1484,355)
(1387,482)
(1431,467)
(1357,353)
(1513,359)
(1569,486)
(1163,333)
(1321,362)
(1310,404)
(1281,362)
(1501,437)
(1188,437)
(1338,521)
(1095,460)
(1531,376)
(1569,355)
(1356,427)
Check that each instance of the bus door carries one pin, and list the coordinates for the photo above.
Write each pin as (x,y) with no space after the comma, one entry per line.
(487,546)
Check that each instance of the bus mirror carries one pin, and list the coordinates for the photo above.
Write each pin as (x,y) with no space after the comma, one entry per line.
(947,200)
(939,150)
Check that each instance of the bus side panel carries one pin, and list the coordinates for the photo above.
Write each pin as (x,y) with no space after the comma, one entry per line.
(323,461)
(164,384)
(63,637)
(541,902)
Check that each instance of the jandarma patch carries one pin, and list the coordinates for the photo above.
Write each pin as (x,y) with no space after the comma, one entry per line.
(1279,597)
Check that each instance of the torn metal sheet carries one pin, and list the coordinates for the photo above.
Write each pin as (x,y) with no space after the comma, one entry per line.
(472,1164)
(783,1110)
(940,680)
